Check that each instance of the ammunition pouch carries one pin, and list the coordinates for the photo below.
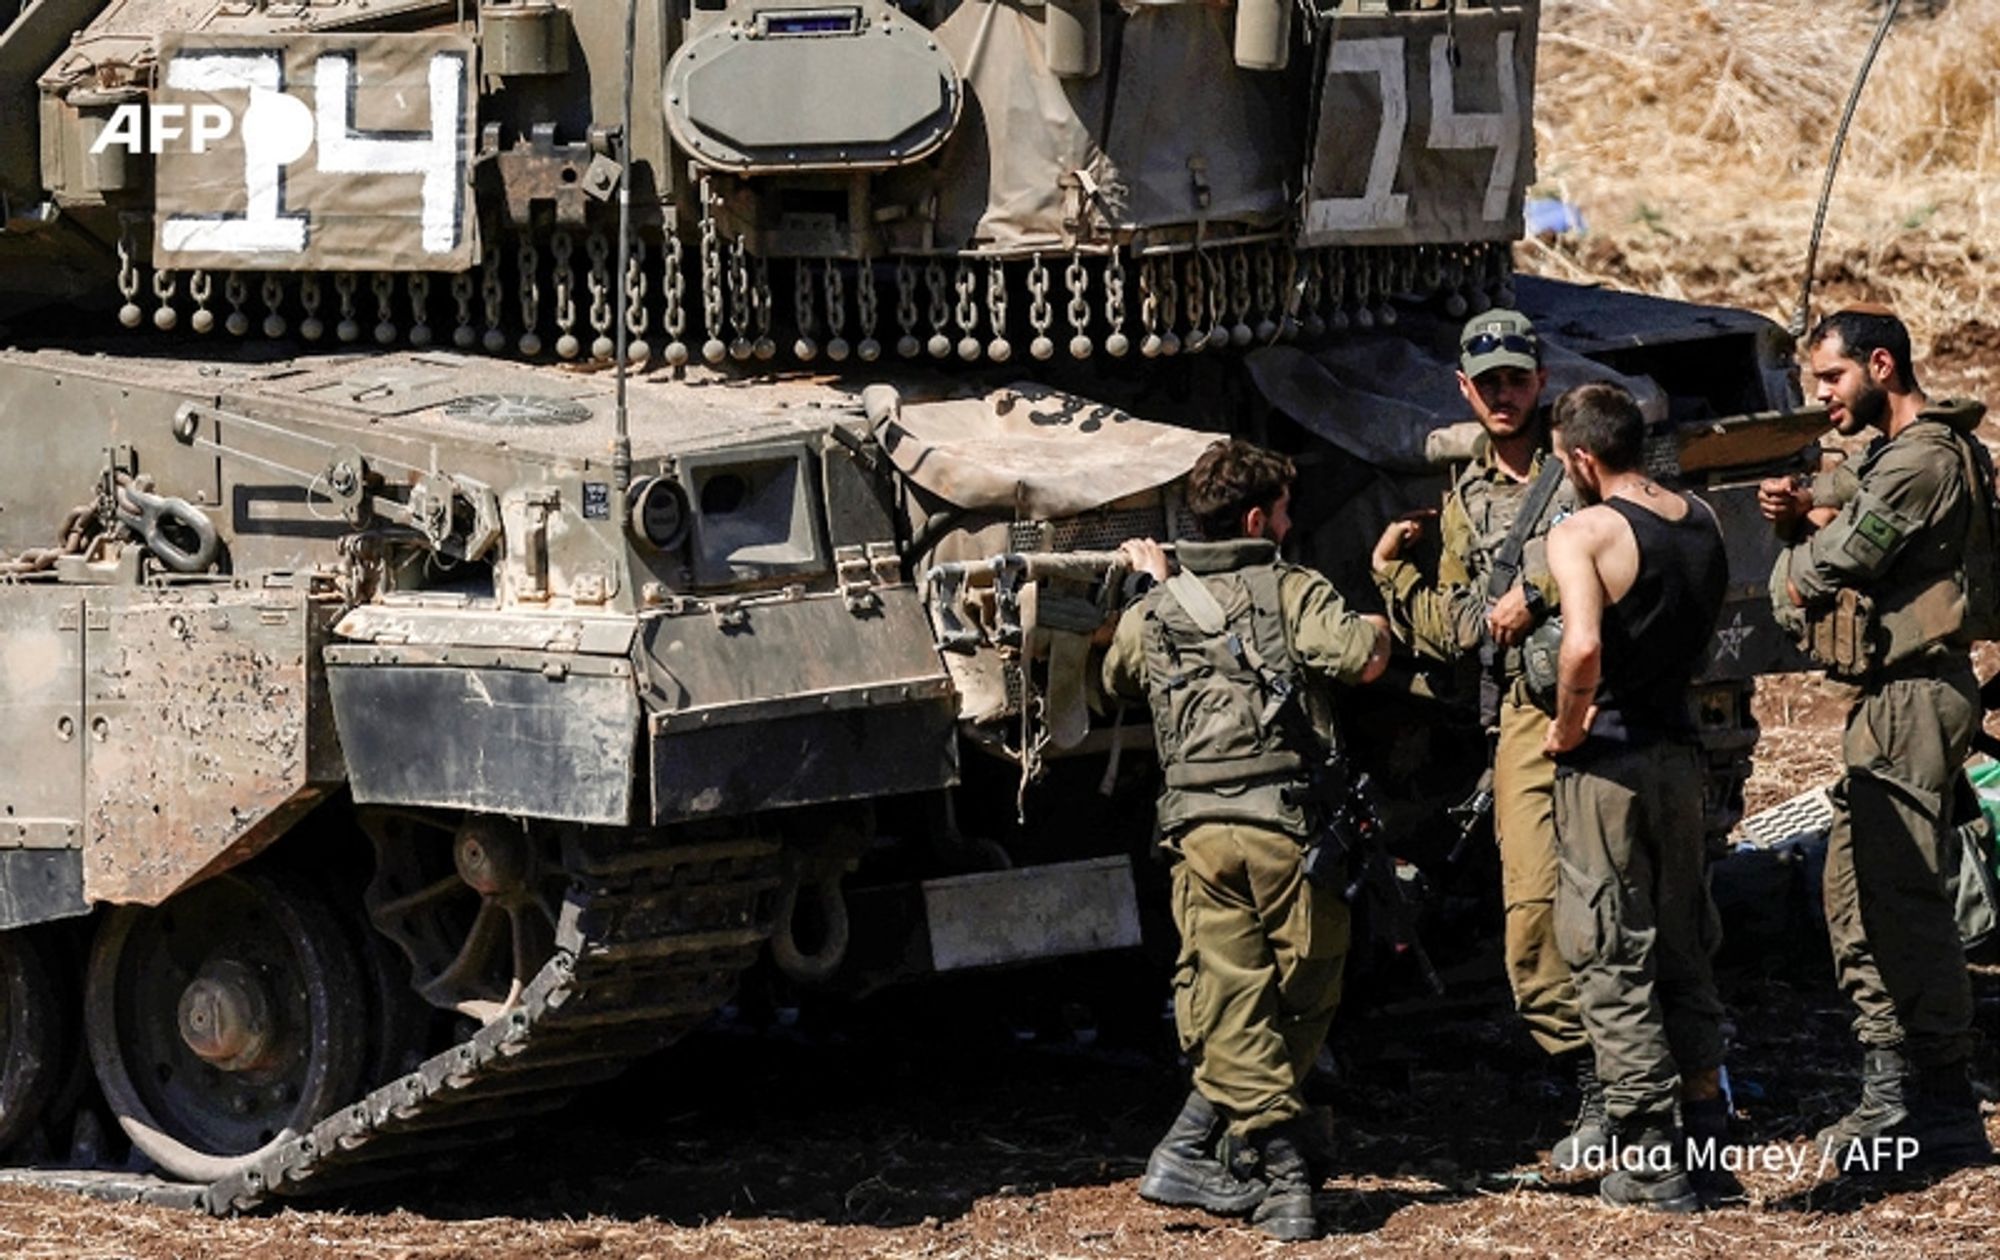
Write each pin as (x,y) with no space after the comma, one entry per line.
(1540,664)
(1845,637)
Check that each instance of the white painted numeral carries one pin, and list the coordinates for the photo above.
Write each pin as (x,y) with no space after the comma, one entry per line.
(277,130)
(1379,205)
(434,155)
(1499,132)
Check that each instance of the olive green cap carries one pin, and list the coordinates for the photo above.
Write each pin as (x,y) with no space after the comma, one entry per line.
(1498,338)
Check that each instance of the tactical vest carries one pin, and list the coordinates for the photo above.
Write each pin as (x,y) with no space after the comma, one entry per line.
(1225,703)
(1490,508)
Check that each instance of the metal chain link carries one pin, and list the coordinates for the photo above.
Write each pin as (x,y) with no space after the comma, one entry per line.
(528,258)
(1170,305)
(712,349)
(906,307)
(762,307)
(236,291)
(1266,330)
(1077,281)
(597,247)
(200,286)
(1116,343)
(743,304)
(164,315)
(1218,300)
(1239,297)
(420,305)
(868,308)
(491,296)
(835,285)
(311,296)
(999,349)
(1313,290)
(384,286)
(676,352)
(272,293)
(1149,308)
(564,279)
(349,328)
(802,311)
(1197,304)
(966,284)
(1040,313)
(638,351)
(940,312)
(128,278)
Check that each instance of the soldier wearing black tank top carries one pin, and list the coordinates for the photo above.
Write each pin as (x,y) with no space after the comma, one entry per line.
(1642,575)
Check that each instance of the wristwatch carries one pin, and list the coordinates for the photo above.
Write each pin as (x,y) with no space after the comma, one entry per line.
(1536,602)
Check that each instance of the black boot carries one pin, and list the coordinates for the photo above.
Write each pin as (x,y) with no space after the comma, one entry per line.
(1882,1106)
(1706,1122)
(1315,1137)
(1286,1210)
(1944,1120)
(1183,1170)
(1590,1132)
(1652,1170)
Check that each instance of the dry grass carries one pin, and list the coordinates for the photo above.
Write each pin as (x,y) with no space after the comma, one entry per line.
(1695,137)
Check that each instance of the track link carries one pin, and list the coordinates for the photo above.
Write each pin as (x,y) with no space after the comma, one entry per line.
(651,942)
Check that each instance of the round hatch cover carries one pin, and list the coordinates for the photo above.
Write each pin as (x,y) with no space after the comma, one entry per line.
(517,410)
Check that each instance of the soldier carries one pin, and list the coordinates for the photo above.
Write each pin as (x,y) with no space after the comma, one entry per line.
(1216,651)
(1888,573)
(1493,588)
(1642,574)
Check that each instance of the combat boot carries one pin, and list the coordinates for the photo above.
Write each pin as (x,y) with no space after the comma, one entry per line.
(1286,1210)
(1706,1122)
(1652,1168)
(1315,1137)
(1183,1170)
(1590,1133)
(1944,1121)
(1884,1072)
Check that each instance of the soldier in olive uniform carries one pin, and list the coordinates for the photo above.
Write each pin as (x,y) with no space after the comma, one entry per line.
(1462,616)
(1878,585)
(1222,652)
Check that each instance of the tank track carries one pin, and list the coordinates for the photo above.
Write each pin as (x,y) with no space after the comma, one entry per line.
(650,942)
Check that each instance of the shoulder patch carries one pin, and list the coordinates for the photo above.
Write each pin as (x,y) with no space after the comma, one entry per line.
(1878,530)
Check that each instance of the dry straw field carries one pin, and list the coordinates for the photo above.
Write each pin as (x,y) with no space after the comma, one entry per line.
(1694,136)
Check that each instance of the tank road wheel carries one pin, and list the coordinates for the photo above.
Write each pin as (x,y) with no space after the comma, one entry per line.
(31,1035)
(472,901)
(224,1022)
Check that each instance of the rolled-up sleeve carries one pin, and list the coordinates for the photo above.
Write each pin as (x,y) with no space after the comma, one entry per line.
(1124,669)
(1328,639)
(1896,498)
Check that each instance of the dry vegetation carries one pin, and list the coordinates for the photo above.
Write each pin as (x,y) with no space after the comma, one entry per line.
(1695,136)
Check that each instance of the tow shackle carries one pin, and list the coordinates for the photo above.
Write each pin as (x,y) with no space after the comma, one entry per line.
(147,516)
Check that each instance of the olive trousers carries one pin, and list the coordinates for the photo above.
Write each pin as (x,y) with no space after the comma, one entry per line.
(1259,972)
(1634,919)
(1525,825)
(1896,948)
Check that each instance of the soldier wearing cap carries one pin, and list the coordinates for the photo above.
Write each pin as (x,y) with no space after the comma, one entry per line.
(1884,587)
(1492,589)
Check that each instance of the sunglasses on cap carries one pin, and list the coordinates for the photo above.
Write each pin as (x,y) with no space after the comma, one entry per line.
(1487,343)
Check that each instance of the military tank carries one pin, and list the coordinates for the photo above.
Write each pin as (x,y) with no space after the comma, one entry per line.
(459,616)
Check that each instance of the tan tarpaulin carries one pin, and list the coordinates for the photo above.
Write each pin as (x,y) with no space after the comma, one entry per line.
(1034,452)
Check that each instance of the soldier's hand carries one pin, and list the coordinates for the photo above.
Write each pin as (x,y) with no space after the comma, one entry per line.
(1400,533)
(1145,556)
(1783,501)
(1509,620)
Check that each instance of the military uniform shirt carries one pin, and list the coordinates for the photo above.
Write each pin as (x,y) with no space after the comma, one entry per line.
(1446,622)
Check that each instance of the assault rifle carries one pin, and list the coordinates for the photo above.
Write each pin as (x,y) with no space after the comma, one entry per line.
(1348,852)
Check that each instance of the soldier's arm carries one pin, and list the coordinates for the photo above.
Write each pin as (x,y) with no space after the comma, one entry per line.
(1327,638)
(1573,548)
(1124,670)
(1438,620)
(1904,490)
